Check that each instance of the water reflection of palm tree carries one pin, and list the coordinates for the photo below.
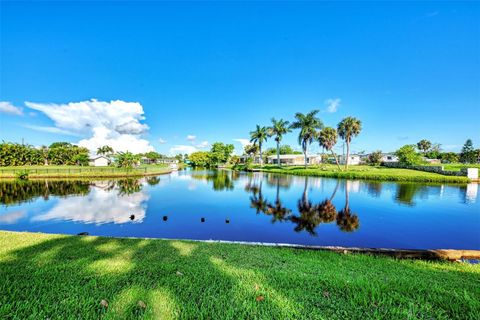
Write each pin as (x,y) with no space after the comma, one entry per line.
(257,201)
(309,218)
(326,209)
(277,210)
(128,186)
(346,219)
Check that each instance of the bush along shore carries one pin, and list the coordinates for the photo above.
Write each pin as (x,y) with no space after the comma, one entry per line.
(360,172)
(66,277)
(32,172)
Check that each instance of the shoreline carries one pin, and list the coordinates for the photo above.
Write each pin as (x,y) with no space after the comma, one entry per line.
(63,173)
(418,254)
(364,175)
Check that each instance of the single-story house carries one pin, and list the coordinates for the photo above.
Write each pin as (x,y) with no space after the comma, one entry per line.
(168,160)
(389,157)
(294,159)
(433,161)
(99,161)
(353,159)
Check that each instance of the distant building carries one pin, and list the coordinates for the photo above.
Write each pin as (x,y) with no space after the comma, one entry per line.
(433,161)
(294,159)
(353,159)
(167,160)
(99,161)
(389,157)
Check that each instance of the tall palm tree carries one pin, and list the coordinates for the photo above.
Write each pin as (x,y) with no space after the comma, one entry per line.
(327,139)
(278,129)
(258,137)
(347,129)
(308,125)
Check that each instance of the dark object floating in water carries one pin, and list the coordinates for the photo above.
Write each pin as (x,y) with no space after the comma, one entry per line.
(132,217)
(165,218)
(202,219)
(227,220)
(83,234)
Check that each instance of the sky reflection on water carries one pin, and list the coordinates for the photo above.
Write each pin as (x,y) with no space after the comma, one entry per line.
(226,205)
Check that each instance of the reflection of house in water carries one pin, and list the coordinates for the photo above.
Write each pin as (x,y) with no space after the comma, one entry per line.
(471,193)
(353,185)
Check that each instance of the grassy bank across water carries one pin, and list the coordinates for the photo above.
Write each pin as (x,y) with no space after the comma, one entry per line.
(365,172)
(83,171)
(67,277)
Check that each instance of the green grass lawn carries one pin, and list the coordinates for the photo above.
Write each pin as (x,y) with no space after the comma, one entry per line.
(365,172)
(82,171)
(67,277)
(459,166)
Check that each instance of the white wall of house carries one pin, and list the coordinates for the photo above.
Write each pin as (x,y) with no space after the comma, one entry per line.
(294,159)
(99,162)
(354,159)
(389,158)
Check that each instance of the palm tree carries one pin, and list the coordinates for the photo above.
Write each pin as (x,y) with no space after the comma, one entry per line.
(308,125)
(278,129)
(327,139)
(105,150)
(44,153)
(347,129)
(258,137)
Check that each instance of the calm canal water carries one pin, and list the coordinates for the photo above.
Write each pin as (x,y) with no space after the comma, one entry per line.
(225,205)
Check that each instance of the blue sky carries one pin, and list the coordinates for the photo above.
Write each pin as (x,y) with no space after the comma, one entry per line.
(206,72)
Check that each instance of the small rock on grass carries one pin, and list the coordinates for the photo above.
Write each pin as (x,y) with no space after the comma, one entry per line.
(179,273)
(104,303)
(141,304)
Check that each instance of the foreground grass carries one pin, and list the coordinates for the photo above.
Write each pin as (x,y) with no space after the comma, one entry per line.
(66,277)
(82,171)
(365,172)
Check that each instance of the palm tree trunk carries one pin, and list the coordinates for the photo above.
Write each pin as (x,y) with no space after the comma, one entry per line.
(348,155)
(261,159)
(278,153)
(335,191)
(305,154)
(336,160)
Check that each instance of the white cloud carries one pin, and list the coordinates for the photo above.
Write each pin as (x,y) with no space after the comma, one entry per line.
(243,142)
(7,107)
(332,105)
(191,138)
(12,217)
(99,206)
(51,130)
(116,123)
(182,149)
(162,141)
(202,144)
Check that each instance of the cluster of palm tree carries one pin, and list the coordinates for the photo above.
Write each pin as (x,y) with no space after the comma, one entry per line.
(310,216)
(311,129)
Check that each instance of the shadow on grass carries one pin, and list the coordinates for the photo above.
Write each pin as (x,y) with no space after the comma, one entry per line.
(64,277)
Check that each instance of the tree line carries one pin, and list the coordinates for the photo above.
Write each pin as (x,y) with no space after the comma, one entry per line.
(311,129)
(58,153)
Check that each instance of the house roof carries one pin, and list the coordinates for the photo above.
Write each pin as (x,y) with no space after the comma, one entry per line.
(93,158)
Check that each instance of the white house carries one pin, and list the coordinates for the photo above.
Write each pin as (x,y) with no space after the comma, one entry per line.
(99,161)
(294,159)
(353,159)
(389,157)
